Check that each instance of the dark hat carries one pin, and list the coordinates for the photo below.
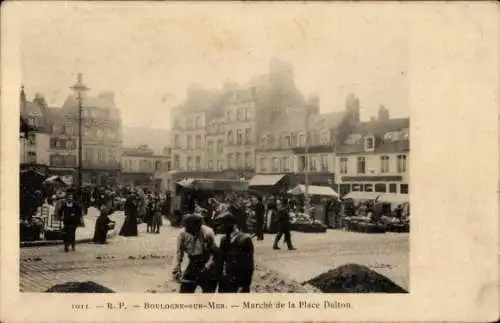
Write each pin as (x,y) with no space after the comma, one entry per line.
(226,217)
(192,218)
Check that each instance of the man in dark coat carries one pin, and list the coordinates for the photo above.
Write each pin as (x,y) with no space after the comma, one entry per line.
(237,257)
(71,214)
(259,211)
(283,220)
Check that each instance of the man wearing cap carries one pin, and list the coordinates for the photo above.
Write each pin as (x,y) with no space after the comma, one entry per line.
(237,259)
(198,242)
(71,215)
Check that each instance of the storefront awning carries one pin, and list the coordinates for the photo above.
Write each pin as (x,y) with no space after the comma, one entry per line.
(265,180)
(213,184)
(362,195)
(313,190)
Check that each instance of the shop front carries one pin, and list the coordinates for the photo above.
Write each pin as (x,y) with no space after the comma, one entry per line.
(376,184)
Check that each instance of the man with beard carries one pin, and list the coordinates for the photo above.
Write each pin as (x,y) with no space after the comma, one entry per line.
(71,214)
(198,242)
(237,257)
(283,220)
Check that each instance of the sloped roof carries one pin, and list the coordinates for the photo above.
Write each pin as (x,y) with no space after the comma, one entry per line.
(138,151)
(265,180)
(378,128)
(330,120)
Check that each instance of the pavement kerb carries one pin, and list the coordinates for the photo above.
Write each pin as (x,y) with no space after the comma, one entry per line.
(46,243)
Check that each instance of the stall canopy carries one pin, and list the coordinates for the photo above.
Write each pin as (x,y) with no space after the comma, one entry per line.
(266,180)
(213,184)
(55,180)
(313,190)
(362,195)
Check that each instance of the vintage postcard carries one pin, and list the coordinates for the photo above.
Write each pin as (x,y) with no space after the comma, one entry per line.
(241,161)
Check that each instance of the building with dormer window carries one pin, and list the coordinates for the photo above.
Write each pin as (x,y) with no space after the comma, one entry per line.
(374,156)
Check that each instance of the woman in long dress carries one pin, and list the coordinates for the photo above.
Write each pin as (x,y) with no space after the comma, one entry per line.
(129,227)
(103,225)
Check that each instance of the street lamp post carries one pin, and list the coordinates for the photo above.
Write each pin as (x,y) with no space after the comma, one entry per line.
(79,88)
(306,150)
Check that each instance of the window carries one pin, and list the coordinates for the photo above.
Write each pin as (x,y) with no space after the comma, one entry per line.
(100,134)
(189,142)
(230,161)
(210,145)
(369,143)
(157,165)
(198,142)
(302,140)
(403,188)
(262,164)
(197,122)
(230,137)
(361,165)
(31,122)
(292,164)
(302,163)
(189,124)
(210,165)
(31,157)
(368,187)
(285,163)
(393,188)
(239,137)
(287,142)
(248,134)
(229,115)
(248,160)
(220,145)
(220,166)
(406,135)
(70,144)
(177,162)
(198,162)
(190,163)
(314,162)
(70,160)
(324,163)
(325,137)
(343,165)
(380,188)
(353,139)
(384,164)
(401,163)
(276,164)
(31,139)
(238,160)
(277,141)
(270,140)
(357,188)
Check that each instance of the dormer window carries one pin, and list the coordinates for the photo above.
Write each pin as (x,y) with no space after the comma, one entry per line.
(406,135)
(353,139)
(324,137)
(369,143)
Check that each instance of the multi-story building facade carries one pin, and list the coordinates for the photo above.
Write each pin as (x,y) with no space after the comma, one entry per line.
(142,167)
(374,157)
(283,150)
(34,145)
(230,121)
(102,139)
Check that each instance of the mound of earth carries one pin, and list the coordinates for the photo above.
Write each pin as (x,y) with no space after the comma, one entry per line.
(79,287)
(354,278)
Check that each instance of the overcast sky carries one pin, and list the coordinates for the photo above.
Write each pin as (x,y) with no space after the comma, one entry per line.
(148,53)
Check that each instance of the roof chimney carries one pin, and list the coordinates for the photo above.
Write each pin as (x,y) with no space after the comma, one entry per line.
(383,113)
(22,99)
